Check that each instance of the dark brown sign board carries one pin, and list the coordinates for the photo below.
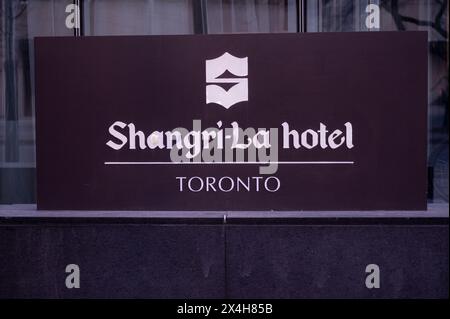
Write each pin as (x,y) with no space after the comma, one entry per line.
(348,113)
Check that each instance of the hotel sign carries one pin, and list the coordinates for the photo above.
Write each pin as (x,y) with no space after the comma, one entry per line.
(331,121)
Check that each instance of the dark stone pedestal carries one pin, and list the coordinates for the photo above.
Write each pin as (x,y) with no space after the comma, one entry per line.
(203,256)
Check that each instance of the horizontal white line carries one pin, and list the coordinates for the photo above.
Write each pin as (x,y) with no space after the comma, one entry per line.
(231,163)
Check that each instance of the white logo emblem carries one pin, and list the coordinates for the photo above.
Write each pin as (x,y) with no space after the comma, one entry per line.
(215,68)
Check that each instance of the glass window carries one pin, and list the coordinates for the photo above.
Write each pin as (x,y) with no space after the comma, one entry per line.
(233,16)
(137,17)
(21,21)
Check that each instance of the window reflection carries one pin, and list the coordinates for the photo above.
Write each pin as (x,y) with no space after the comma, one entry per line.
(228,16)
(20,22)
(138,17)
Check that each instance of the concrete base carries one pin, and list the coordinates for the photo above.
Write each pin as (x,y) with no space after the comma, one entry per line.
(209,257)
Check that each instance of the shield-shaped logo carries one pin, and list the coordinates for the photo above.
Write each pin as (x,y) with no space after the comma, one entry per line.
(218,71)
